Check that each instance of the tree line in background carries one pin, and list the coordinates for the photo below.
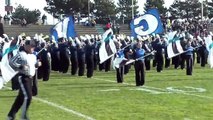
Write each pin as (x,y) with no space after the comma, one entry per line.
(191,8)
(108,9)
(31,16)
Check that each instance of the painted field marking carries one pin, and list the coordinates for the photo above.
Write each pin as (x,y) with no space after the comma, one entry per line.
(142,89)
(193,89)
(148,90)
(155,88)
(196,89)
(139,88)
(161,89)
(108,90)
(61,107)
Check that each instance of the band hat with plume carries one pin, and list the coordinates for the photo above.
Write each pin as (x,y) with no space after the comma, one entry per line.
(6,38)
(92,36)
(114,38)
(28,38)
(100,37)
(121,37)
(36,36)
(128,38)
(29,41)
(88,37)
(53,39)
(23,34)
(146,37)
(96,37)
(70,39)
(157,36)
(139,38)
(82,38)
(132,38)
(78,42)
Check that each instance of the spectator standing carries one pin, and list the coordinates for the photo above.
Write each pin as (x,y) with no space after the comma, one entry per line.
(44,18)
(9,19)
(79,17)
(24,22)
(0,18)
(5,19)
(1,30)
(118,29)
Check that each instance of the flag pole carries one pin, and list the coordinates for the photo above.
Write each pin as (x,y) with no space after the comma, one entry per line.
(131,61)
(184,52)
(39,51)
(127,46)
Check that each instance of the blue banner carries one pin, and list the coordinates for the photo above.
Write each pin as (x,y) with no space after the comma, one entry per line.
(147,24)
(65,28)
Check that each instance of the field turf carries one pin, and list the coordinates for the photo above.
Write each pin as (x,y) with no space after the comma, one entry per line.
(169,95)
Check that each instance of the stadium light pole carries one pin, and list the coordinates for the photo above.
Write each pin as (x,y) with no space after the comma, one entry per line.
(201,10)
(132,9)
(88,8)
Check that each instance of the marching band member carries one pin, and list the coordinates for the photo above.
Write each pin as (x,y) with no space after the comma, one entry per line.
(138,54)
(25,62)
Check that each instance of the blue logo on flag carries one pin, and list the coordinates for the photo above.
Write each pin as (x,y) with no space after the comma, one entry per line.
(147,24)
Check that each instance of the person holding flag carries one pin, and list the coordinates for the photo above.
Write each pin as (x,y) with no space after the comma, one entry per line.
(121,59)
(89,56)
(189,57)
(209,46)
(158,47)
(107,49)
(25,63)
(138,55)
(120,68)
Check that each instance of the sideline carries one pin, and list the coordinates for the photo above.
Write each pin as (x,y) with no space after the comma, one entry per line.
(60,107)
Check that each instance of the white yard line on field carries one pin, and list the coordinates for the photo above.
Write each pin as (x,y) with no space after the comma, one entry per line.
(148,90)
(201,96)
(108,90)
(61,107)
(159,89)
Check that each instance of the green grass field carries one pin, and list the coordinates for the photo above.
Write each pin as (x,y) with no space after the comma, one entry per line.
(170,95)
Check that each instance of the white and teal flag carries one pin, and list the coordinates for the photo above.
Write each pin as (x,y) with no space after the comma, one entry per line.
(209,47)
(120,59)
(9,49)
(174,47)
(107,48)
